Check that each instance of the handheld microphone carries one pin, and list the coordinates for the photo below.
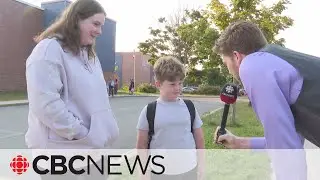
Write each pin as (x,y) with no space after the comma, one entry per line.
(228,95)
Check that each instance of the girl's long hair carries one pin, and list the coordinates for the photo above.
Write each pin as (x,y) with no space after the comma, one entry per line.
(66,27)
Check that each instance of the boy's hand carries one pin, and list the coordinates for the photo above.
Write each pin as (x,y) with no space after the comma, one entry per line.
(142,148)
(146,176)
(228,140)
(200,174)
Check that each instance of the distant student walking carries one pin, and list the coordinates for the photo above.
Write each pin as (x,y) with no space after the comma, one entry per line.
(131,86)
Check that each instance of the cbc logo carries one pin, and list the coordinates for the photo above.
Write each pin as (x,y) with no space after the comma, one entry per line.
(229,89)
(19,164)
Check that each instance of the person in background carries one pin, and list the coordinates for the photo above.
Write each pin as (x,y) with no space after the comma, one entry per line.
(68,106)
(131,86)
(116,86)
(111,87)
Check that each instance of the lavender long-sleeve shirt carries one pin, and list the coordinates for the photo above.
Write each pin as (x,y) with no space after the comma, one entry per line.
(272,85)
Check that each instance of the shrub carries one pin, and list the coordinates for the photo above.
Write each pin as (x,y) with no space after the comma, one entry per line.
(146,88)
(125,88)
(208,90)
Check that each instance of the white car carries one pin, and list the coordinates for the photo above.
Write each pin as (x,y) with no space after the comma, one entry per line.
(188,89)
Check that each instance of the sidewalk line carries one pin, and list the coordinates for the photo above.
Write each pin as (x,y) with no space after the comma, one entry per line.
(13,103)
(214,111)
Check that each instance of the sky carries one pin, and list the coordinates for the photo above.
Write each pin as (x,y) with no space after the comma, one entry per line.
(134,17)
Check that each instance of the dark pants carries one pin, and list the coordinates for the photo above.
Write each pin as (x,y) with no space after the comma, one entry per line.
(111,90)
(115,89)
(190,175)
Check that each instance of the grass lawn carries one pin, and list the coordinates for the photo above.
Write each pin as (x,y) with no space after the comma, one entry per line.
(235,164)
(8,96)
(246,124)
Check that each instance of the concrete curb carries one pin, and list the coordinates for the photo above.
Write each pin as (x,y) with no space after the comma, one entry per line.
(13,103)
(120,96)
(25,102)
(214,111)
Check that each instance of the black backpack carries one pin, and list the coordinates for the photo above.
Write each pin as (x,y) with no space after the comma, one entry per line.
(151,111)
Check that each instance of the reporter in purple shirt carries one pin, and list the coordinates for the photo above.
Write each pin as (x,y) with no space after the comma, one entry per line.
(272,85)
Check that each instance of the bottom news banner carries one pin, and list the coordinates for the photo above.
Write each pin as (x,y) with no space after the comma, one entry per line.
(38,164)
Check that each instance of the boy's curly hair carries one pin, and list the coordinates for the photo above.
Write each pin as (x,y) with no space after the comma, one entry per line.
(169,68)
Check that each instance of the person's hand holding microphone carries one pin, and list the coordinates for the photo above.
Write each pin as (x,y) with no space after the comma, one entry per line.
(228,95)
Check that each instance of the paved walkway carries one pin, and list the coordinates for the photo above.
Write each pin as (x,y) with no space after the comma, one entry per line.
(25,102)
(14,134)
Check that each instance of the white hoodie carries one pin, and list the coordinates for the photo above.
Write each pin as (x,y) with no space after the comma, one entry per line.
(68,103)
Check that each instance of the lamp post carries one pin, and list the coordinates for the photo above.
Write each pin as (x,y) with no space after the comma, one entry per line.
(134,68)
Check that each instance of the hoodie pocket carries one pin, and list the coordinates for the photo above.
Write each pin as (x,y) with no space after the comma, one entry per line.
(103,132)
(106,130)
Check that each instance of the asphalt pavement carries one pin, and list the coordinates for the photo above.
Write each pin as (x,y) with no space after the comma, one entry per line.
(13,120)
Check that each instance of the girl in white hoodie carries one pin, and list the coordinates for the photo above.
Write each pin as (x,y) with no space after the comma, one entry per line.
(68,104)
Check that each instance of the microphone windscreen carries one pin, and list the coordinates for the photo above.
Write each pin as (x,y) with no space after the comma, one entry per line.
(229,93)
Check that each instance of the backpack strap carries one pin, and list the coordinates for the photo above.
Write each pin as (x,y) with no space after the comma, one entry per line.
(192,111)
(151,111)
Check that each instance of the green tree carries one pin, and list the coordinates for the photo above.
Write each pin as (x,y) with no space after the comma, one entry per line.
(270,19)
(190,35)
(193,77)
(198,34)
(166,41)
